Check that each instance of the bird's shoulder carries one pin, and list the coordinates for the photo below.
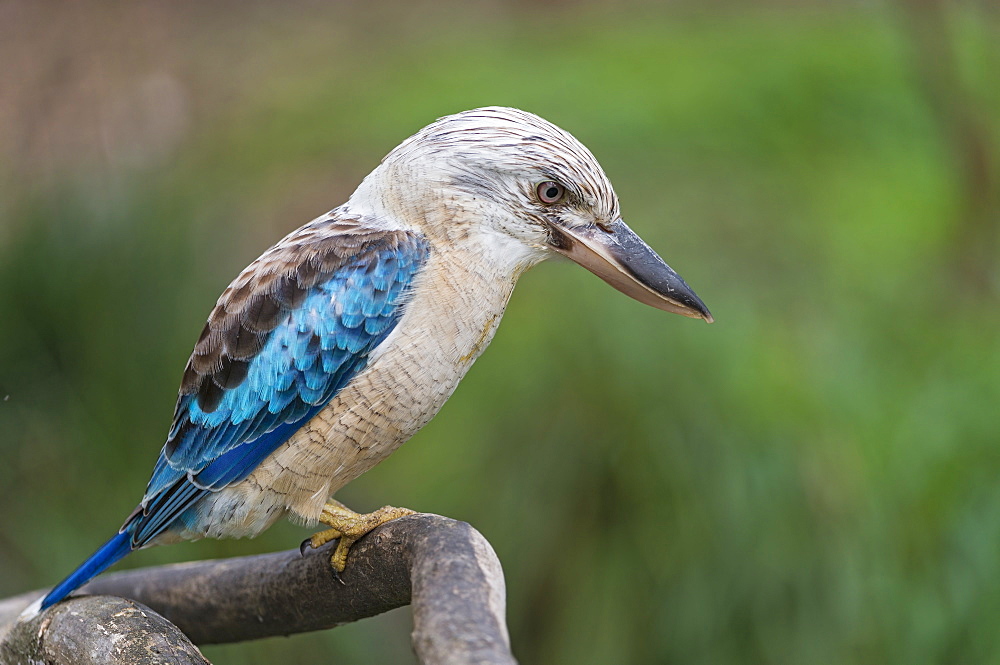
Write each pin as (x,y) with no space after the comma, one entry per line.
(278,282)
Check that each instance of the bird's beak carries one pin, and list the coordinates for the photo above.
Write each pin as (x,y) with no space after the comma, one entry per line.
(621,258)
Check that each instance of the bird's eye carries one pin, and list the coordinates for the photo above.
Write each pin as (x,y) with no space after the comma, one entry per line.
(550,191)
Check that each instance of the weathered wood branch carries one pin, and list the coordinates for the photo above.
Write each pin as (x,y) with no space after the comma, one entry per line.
(98,630)
(445,569)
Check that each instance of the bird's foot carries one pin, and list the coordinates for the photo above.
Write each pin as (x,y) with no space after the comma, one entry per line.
(350,526)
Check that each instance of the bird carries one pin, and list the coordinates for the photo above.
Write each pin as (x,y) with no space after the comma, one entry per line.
(348,335)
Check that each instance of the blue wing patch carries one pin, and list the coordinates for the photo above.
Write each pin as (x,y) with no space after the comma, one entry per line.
(272,361)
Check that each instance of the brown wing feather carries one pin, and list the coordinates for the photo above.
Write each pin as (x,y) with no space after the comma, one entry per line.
(262,295)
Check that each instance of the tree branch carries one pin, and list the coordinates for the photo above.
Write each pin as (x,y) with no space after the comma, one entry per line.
(98,630)
(444,568)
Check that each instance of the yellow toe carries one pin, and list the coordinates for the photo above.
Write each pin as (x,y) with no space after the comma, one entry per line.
(350,526)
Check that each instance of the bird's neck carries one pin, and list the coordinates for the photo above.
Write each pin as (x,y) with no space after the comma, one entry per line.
(399,196)
(460,295)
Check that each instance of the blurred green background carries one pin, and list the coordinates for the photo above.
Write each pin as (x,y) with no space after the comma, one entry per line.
(813,479)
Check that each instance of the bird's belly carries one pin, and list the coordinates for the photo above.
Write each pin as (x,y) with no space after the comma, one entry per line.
(404,385)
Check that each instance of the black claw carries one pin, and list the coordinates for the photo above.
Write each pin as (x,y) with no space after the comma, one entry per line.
(306,544)
(336,576)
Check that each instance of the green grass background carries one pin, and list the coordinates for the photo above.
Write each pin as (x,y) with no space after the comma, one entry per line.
(813,479)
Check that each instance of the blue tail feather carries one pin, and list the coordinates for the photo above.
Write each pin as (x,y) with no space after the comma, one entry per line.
(108,554)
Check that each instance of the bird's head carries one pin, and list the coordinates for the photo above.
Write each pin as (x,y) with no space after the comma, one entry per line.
(527,189)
